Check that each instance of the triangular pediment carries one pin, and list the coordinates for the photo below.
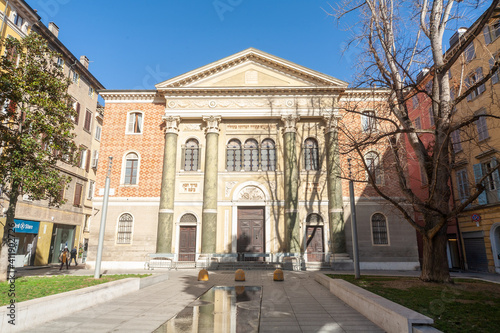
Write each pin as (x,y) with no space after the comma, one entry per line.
(251,68)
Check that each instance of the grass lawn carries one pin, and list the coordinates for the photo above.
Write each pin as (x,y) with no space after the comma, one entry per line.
(31,287)
(464,306)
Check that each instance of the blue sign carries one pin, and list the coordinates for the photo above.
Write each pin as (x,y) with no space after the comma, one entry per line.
(25,226)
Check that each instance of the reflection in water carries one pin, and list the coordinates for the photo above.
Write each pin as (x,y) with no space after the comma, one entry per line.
(221,310)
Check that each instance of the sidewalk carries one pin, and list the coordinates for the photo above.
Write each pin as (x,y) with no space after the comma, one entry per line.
(299,304)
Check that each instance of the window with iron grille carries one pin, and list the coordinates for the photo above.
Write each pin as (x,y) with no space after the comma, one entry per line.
(191,155)
(379,229)
(125,225)
(251,155)
(268,155)
(233,155)
(188,217)
(311,158)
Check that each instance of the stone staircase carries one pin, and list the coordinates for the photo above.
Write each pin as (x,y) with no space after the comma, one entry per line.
(341,262)
(246,265)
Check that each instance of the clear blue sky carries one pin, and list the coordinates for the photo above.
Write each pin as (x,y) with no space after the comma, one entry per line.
(136,44)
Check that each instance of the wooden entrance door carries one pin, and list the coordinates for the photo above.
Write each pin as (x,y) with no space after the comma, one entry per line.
(250,230)
(187,243)
(315,243)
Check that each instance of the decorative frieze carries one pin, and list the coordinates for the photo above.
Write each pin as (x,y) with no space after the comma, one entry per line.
(229,187)
(313,188)
(251,193)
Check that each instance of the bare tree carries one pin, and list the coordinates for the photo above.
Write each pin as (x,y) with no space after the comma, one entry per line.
(398,39)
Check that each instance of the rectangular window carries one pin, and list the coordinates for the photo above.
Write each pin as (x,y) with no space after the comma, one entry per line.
(456,141)
(83,157)
(90,194)
(470,52)
(463,185)
(88,120)
(471,80)
(77,200)
(431,116)
(482,128)
(368,122)
(98,130)
(18,20)
(91,92)
(76,106)
(60,62)
(95,158)
(414,100)
(134,123)
(75,77)
(131,172)
(428,87)
(490,181)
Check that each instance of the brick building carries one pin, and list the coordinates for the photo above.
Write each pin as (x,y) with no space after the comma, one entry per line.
(241,157)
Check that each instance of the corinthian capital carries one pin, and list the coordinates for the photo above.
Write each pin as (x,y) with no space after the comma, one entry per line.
(171,124)
(331,119)
(290,121)
(212,124)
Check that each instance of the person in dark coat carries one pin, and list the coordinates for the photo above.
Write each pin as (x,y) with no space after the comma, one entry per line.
(73,256)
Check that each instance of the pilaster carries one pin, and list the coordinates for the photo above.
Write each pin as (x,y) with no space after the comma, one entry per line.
(167,194)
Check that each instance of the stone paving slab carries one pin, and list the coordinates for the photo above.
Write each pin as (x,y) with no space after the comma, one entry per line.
(298,304)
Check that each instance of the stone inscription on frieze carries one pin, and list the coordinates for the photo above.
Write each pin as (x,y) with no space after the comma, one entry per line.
(190,187)
(252,127)
(313,188)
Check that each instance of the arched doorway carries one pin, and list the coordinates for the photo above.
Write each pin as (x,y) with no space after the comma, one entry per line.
(495,245)
(315,247)
(187,237)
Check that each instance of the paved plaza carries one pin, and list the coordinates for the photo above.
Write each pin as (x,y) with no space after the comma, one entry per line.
(299,304)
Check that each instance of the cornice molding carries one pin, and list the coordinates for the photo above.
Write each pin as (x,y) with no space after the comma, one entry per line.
(128,95)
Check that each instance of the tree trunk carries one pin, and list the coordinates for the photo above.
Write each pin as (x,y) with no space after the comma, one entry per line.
(8,229)
(435,261)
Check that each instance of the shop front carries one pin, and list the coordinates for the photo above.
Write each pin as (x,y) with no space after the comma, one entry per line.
(63,235)
(25,239)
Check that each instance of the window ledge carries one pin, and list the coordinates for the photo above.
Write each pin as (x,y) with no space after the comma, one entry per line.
(486,153)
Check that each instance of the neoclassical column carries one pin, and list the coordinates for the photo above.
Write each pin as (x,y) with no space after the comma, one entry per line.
(291,184)
(334,183)
(209,214)
(167,194)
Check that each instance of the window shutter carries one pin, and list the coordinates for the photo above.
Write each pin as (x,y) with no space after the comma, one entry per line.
(467,86)
(78,195)
(478,174)
(77,113)
(494,78)
(87,164)
(496,176)
(460,186)
(130,123)
(482,87)
(487,36)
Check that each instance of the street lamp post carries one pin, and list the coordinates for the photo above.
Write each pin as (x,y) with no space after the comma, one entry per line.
(353,224)
(97,272)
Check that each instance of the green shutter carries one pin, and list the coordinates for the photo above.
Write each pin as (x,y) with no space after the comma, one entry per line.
(478,174)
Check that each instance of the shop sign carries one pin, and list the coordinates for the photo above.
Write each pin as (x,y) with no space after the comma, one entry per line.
(25,226)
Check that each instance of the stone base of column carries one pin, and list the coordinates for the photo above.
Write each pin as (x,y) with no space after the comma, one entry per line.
(293,232)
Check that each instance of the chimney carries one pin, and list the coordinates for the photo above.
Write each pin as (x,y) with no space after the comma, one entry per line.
(85,61)
(456,36)
(54,29)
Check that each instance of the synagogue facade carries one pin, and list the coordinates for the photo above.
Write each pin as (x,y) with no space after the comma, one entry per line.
(241,157)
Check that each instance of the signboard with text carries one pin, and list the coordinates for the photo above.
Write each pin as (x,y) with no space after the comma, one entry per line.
(25,226)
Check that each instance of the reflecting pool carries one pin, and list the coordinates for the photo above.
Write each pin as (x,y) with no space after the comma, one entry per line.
(221,310)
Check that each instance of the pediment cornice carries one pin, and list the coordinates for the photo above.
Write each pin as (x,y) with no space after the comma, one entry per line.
(313,78)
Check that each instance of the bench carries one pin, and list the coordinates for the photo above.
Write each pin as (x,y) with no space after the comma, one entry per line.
(160,260)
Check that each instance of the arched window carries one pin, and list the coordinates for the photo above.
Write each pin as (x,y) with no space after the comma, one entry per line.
(268,155)
(191,155)
(373,164)
(134,123)
(314,218)
(131,169)
(188,217)
(251,155)
(379,229)
(125,225)
(233,155)
(311,161)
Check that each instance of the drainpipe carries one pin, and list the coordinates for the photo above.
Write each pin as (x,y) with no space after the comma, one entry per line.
(4,18)
(459,234)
